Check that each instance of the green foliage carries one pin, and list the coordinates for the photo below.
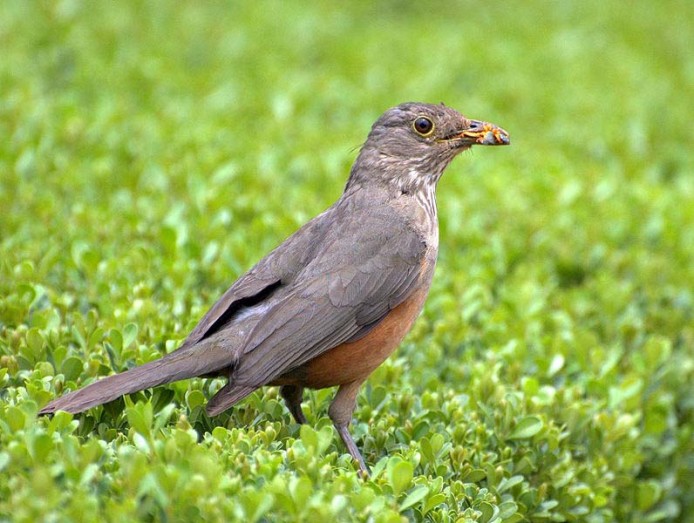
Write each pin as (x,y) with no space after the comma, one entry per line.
(152,151)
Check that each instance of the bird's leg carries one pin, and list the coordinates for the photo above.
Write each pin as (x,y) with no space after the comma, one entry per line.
(341,410)
(292,395)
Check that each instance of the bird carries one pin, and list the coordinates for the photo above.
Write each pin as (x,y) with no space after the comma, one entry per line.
(328,305)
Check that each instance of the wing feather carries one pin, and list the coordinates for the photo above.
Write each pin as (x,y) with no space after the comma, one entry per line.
(335,301)
(276,269)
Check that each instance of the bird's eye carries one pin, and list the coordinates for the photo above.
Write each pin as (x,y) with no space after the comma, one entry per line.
(423,126)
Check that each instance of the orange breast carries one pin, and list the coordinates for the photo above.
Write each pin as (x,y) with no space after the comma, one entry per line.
(354,361)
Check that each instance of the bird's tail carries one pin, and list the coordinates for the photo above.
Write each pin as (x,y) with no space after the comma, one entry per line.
(227,397)
(188,362)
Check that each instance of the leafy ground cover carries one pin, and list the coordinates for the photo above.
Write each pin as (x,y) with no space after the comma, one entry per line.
(152,151)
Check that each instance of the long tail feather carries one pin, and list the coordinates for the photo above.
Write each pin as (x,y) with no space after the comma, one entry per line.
(227,397)
(182,364)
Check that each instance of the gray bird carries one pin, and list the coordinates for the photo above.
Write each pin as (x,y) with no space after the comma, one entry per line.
(334,300)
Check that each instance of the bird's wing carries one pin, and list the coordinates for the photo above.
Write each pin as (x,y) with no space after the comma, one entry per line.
(263,279)
(369,264)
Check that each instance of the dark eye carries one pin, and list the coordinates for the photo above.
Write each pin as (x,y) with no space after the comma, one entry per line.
(423,125)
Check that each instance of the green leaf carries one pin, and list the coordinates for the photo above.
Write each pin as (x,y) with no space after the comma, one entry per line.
(647,494)
(40,445)
(116,338)
(488,511)
(326,436)
(508,483)
(16,418)
(300,489)
(141,443)
(140,418)
(96,336)
(417,495)
(34,350)
(161,418)
(129,334)
(255,504)
(527,427)
(432,502)
(71,368)
(195,398)
(362,498)
(474,476)
(309,436)
(399,474)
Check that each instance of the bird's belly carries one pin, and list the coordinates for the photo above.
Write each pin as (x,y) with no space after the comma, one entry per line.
(354,361)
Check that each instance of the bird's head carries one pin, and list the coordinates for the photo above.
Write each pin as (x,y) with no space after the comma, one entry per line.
(411,145)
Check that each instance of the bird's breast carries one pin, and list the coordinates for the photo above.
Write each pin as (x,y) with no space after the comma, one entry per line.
(419,211)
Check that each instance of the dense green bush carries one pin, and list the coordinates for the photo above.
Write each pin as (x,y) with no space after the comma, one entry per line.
(150,152)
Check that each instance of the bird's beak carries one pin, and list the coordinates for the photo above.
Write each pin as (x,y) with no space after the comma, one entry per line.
(484,133)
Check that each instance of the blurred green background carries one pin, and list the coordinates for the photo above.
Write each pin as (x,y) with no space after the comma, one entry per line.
(150,152)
